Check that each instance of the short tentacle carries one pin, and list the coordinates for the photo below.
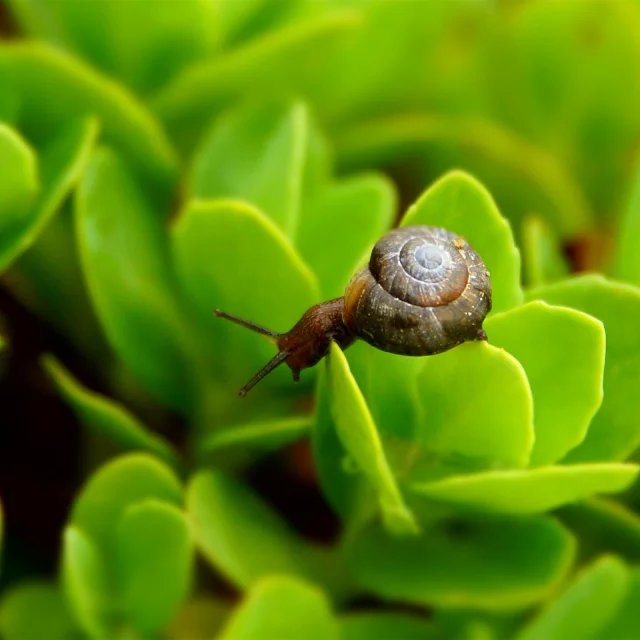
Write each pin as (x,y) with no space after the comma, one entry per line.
(277,360)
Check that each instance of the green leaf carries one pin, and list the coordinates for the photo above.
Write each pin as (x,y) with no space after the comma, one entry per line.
(542,258)
(585,607)
(155,557)
(240,535)
(261,155)
(625,624)
(388,382)
(349,217)
(476,404)
(386,625)
(71,90)
(397,46)
(229,255)
(461,204)
(52,619)
(359,435)
(263,435)
(85,583)
(346,490)
(19,183)
(627,265)
(260,615)
(530,490)
(485,563)
(48,280)
(615,430)
(125,260)
(200,617)
(62,161)
(275,62)
(473,625)
(564,75)
(117,485)
(9,104)
(106,416)
(563,354)
(604,525)
(522,176)
(150,46)
(236,17)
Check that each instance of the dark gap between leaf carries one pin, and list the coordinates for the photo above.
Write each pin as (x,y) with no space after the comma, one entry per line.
(364,604)
(287,481)
(589,251)
(8,26)
(37,493)
(209,581)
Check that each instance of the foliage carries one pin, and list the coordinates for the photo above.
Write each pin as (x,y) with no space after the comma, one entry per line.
(246,156)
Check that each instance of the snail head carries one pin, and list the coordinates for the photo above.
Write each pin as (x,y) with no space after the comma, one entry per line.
(305,344)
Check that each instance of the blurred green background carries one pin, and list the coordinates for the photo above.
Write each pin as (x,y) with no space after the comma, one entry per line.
(160,158)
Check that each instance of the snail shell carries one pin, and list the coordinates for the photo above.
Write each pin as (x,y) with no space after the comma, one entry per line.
(424,291)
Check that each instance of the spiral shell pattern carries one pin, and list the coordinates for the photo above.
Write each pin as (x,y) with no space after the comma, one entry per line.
(424,291)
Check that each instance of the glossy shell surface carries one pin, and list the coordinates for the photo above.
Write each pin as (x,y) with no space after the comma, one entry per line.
(424,291)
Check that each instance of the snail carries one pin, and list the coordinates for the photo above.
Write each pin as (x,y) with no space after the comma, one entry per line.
(424,291)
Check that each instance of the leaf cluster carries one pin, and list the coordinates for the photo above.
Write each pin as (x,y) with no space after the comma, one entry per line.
(247,156)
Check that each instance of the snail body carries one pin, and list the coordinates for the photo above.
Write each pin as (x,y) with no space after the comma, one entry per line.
(424,291)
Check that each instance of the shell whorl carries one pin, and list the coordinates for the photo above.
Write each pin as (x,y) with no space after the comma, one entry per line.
(424,291)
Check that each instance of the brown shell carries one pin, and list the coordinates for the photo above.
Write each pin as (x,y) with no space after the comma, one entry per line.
(424,291)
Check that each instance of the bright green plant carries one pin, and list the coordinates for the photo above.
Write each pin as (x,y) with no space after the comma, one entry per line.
(247,156)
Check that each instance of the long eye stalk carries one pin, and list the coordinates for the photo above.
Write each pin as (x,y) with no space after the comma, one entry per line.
(245,323)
